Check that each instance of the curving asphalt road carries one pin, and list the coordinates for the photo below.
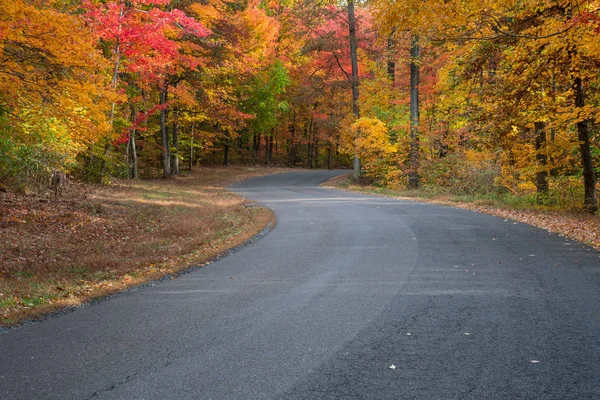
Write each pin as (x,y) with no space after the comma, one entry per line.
(463,305)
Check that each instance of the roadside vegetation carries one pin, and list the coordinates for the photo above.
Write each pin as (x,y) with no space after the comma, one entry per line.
(96,240)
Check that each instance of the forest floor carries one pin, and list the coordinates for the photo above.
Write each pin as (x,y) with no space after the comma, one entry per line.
(93,241)
(579,226)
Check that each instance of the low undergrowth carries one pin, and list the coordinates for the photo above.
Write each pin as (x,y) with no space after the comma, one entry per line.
(97,240)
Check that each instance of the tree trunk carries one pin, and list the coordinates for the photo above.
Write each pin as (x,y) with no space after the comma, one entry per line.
(270,152)
(226,154)
(267,153)
(134,161)
(329,157)
(175,154)
(413,175)
(292,148)
(134,164)
(310,144)
(164,134)
(589,179)
(542,159)
(354,62)
(391,64)
(256,142)
(192,148)
(316,148)
(103,162)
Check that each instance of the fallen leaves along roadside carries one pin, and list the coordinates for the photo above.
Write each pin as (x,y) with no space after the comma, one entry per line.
(99,240)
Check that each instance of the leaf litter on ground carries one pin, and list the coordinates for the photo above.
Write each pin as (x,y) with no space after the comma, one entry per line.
(97,240)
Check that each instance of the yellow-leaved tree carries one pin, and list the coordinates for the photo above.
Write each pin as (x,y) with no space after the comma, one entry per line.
(368,138)
(53,91)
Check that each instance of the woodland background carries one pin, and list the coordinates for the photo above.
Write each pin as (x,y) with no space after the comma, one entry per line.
(490,98)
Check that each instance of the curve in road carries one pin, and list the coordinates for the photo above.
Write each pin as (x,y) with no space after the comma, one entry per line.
(349,297)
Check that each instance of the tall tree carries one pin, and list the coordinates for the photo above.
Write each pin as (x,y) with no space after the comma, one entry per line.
(354,62)
(413,175)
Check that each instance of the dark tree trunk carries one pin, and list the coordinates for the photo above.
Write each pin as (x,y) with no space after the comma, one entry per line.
(256,142)
(292,148)
(316,148)
(174,155)
(226,154)
(270,152)
(103,162)
(354,62)
(413,175)
(164,134)
(267,152)
(191,164)
(541,181)
(391,64)
(309,154)
(589,179)
(329,157)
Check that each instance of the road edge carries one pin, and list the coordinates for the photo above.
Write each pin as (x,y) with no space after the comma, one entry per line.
(227,251)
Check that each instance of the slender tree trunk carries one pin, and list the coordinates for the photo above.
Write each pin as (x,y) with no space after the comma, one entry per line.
(316,147)
(257,137)
(329,157)
(271,141)
(413,175)
(175,153)
(589,179)
(354,62)
(310,144)
(164,134)
(226,154)
(191,165)
(391,64)
(267,153)
(134,163)
(292,149)
(542,159)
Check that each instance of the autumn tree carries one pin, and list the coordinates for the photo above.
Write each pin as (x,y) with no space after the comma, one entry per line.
(52,90)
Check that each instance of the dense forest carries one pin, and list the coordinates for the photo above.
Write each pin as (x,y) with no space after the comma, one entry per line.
(472,96)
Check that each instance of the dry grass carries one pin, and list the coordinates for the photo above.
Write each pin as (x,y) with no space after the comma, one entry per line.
(95,241)
(579,226)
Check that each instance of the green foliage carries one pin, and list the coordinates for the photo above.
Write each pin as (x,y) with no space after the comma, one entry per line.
(31,152)
(265,101)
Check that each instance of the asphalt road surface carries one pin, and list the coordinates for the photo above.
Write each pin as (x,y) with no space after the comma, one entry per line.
(349,297)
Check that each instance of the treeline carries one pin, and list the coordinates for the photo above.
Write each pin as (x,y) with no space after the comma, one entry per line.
(102,89)
(471,97)
(507,96)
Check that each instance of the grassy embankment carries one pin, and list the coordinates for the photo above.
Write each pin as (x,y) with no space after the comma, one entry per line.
(577,225)
(98,240)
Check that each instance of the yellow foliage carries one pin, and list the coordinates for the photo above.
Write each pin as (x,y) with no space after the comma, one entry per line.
(49,63)
(368,138)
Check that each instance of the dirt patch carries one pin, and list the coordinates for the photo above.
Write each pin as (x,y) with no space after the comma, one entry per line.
(97,240)
(579,226)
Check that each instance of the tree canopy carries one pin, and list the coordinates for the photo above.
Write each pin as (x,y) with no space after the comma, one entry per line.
(504,101)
